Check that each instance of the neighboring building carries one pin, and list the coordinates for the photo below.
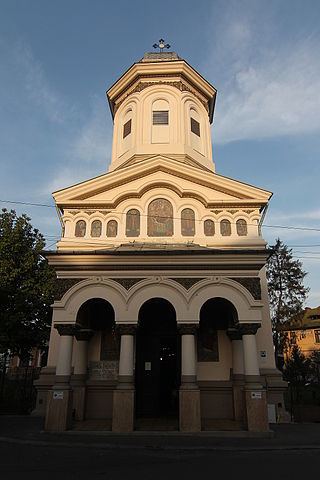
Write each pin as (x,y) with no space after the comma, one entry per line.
(161,305)
(302,330)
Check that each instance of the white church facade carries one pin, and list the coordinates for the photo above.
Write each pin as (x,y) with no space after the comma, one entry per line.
(161,308)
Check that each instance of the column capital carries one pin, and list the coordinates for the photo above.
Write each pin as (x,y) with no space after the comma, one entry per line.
(66,329)
(188,328)
(234,334)
(126,328)
(84,334)
(249,328)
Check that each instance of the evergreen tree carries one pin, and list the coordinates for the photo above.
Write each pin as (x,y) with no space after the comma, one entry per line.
(26,286)
(286,290)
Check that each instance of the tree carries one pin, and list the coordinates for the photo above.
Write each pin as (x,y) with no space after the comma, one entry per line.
(286,290)
(26,286)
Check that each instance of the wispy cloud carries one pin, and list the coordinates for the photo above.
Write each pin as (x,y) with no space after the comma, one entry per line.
(268,88)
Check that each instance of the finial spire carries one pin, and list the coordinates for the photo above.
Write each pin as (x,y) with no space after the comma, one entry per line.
(161,45)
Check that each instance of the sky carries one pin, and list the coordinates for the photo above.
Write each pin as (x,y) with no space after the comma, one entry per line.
(58,58)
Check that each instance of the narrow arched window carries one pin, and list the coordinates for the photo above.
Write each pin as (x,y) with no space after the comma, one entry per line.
(80,230)
(160,218)
(225,228)
(187,222)
(133,223)
(112,228)
(242,229)
(209,229)
(96,228)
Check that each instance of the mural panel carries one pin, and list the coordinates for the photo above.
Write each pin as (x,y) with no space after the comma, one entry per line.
(187,222)
(209,229)
(242,229)
(133,223)
(225,228)
(80,228)
(208,350)
(112,228)
(160,218)
(96,228)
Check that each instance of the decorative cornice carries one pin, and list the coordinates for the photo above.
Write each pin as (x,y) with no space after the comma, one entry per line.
(188,328)
(126,329)
(66,329)
(180,85)
(248,328)
(62,285)
(84,334)
(127,283)
(187,283)
(252,284)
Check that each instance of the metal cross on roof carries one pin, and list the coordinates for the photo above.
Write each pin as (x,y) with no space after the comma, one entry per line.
(161,45)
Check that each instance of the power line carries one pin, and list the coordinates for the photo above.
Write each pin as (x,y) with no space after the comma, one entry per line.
(287,227)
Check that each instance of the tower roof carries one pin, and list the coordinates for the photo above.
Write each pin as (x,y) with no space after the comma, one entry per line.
(159,57)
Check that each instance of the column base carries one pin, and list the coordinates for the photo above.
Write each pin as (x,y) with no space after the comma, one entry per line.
(239,407)
(59,410)
(189,410)
(123,410)
(256,410)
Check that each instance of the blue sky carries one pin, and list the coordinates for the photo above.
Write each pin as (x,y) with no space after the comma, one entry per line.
(58,58)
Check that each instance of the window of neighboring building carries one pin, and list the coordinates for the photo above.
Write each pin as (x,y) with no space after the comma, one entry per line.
(127,128)
(112,228)
(225,228)
(209,229)
(133,223)
(317,336)
(80,230)
(187,222)
(96,228)
(293,338)
(160,117)
(242,229)
(195,127)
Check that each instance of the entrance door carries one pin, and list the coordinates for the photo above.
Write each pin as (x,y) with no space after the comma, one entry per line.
(157,361)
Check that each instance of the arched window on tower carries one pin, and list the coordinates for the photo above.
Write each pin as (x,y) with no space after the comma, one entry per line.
(160,121)
(133,223)
(160,218)
(195,131)
(80,230)
(225,228)
(242,229)
(187,222)
(126,132)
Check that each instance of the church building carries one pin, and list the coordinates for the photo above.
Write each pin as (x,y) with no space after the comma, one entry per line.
(161,312)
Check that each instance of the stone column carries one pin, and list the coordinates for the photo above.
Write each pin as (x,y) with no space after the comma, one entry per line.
(123,396)
(59,406)
(237,374)
(255,395)
(189,395)
(79,377)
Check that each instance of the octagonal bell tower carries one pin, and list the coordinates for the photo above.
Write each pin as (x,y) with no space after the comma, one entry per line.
(161,105)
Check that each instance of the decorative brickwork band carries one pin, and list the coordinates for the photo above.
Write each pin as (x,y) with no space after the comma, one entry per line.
(252,284)
(66,328)
(249,328)
(126,329)
(62,285)
(187,328)
(84,335)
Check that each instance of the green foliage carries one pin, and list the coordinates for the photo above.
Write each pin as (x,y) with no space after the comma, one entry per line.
(26,286)
(286,290)
(298,368)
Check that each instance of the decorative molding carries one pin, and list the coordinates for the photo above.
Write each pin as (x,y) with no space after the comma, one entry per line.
(188,328)
(126,329)
(248,328)
(74,212)
(127,283)
(248,211)
(252,284)
(234,334)
(232,211)
(187,283)
(90,212)
(84,335)
(62,285)
(216,212)
(66,329)
(181,86)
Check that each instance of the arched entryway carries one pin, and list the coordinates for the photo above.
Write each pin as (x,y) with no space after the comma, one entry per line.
(157,375)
